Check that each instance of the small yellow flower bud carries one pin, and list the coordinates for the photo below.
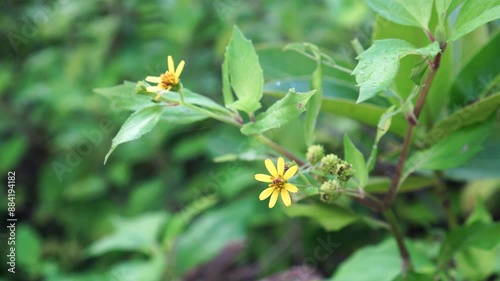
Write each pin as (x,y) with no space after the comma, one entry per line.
(315,153)
(330,191)
(329,164)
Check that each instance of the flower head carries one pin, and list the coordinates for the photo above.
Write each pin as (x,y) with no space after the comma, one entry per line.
(278,182)
(315,153)
(166,81)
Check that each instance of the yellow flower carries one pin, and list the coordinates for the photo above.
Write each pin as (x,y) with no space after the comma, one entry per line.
(167,80)
(278,182)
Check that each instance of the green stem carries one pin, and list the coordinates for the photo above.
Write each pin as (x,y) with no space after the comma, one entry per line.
(442,193)
(280,149)
(403,250)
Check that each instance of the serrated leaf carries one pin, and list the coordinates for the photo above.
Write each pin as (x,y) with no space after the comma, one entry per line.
(280,113)
(245,74)
(451,152)
(378,66)
(138,124)
(473,14)
(404,12)
(354,157)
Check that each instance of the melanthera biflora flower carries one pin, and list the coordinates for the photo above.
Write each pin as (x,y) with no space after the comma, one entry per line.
(166,81)
(278,182)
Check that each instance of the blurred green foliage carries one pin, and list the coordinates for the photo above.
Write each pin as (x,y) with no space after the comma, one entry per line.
(160,207)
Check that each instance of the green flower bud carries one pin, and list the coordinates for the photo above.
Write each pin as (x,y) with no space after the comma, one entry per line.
(344,171)
(329,164)
(330,191)
(315,153)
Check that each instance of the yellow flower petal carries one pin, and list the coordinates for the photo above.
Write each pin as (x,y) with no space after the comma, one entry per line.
(153,79)
(263,178)
(266,193)
(179,69)
(286,197)
(290,172)
(290,187)
(153,89)
(281,166)
(271,168)
(274,198)
(171,66)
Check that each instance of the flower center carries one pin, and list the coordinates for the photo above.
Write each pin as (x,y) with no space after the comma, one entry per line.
(278,183)
(168,79)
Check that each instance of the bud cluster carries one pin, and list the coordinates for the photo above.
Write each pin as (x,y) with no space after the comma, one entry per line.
(332,171)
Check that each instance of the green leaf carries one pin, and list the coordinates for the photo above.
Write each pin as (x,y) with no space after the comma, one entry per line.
(182,115)
(138,124)
(378,66)
(152,269)
(476,264)
(12,150)
(451,152)
(280,113)
(477,74)
(480,214)
(385,256)
(245,74)
(404,12)
(28,247)
(484,165)
(453,5)
(438,96)
(313,106)
(227,94)
(474,113)
(354,157)
(340,99)
(123,97)
(472,15)
(330,217)
(136,234)
(412,183)
(210,233)
(477,235)
(442,7)
(412,276)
